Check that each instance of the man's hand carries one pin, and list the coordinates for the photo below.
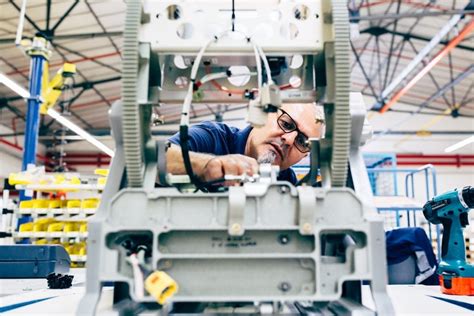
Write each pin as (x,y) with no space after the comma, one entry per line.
(209,167)
(219,166)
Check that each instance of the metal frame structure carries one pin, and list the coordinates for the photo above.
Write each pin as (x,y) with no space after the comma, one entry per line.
(49,33)
(381,82)
(177,237)
(381,34)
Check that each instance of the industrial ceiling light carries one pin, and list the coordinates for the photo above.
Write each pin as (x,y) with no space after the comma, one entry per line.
(79,131)
(61,119)
(460,144)
(14,86)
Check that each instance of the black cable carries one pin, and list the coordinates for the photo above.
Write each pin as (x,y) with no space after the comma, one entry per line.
(314,163)
(233,16)
(183,139)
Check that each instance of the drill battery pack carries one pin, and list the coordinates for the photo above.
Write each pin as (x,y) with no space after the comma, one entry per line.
(453,285)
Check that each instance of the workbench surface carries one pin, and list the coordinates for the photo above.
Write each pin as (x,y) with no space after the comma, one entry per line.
(32,297)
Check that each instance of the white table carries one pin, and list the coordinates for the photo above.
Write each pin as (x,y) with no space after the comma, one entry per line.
(37,299)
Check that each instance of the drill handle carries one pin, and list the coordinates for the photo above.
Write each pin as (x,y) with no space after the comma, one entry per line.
(446,223)
(453,247)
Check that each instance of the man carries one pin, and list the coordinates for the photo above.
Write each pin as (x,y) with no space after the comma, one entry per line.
(217,149)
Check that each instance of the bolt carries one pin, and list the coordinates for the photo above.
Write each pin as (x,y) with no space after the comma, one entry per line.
(284,286)
(166,264)
(235,228)
(284,239)
(307,228)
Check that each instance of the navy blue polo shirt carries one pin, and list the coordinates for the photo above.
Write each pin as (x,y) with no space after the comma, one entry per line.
(220,139)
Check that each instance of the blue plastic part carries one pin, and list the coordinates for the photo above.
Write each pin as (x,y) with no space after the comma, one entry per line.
(33,261)
(32,115)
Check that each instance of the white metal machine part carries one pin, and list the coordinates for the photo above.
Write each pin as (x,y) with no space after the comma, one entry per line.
(266,246)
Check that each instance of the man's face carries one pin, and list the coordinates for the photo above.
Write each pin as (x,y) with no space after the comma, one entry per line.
(271,143)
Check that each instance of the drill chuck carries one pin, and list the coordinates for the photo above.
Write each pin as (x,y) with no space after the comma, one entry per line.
(468,196)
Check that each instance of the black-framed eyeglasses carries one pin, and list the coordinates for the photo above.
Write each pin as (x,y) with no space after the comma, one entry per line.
(288,125)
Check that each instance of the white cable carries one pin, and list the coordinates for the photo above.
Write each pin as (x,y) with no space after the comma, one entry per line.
(221,75)
(137,276)
(258,64)
(189,96)
(267,66)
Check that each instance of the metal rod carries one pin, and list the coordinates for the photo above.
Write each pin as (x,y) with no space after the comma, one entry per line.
(433,79)
(467,29)
(447,86)
(64,16)
(369,82)
(409,35)
(102,27)
(392,41)
(32,115)
(21,23)
(48,14)
(408,15)
(68,36)
(26,16)
(418,132)
(420,56)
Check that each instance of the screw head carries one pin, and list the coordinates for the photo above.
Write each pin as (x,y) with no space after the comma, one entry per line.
(283,239)
(284,286)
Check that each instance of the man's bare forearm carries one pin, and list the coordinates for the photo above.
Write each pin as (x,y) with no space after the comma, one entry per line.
(210,167)
(175,164)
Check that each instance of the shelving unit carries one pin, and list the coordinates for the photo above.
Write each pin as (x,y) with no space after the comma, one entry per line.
(59,212)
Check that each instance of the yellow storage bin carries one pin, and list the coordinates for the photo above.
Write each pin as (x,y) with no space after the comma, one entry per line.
(26,204)
(41,224)
(55,204)
(73,203)
(83,227)
(71,227)
(56,227)
(26,227)
(40,203)
(90,203)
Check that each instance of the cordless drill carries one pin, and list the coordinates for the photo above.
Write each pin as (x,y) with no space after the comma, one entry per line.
(451,210)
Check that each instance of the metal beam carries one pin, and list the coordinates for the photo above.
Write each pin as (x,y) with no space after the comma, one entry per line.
(89,58)
(467,29)
(435,113)
(378,31)
(423,133)
(91,10)
(14,110)
(407,15)
(26,16)
(83,85)
(64,16)
(68,37)
(48,14)
(417,60)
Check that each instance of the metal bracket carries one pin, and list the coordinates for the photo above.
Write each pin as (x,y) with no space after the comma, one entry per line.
(307,209)
(237,200)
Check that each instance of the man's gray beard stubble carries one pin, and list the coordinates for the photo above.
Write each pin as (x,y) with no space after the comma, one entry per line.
(268,157)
